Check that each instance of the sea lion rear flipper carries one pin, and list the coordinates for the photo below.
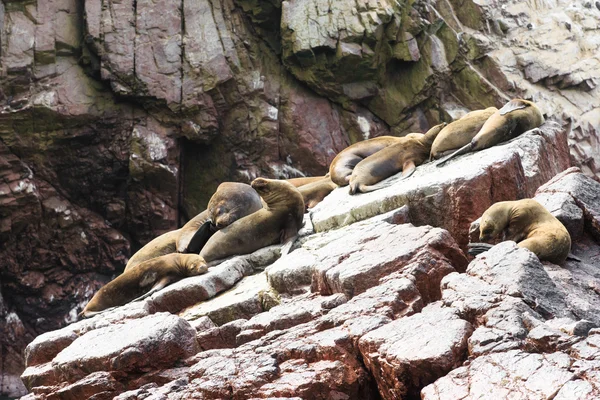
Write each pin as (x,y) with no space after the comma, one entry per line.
(463,150)
(478,248)
(515,104)
(572,257)
(200,238)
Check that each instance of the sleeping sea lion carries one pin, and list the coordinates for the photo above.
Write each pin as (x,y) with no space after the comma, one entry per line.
(313,193)
(230,202)
(342,165)
(517,116)
(277,222)
(159,246)
(143,279)
(404,155)
(529,224)
(460,132)
(305,180)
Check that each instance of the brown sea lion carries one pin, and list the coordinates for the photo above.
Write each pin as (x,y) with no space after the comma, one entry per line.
(277,222)
(144,279)
(342,165)
(409,151)
(529,224)
(460,132)
(313,193)
(517,116)
(305,180)
(159,246)
(230,202)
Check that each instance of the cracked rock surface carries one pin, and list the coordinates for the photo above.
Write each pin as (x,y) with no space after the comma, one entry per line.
(118,119)
(384,307)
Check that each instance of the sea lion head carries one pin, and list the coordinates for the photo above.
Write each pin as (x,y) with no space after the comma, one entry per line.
(488,228)
(232,201)
(277,192)
(195,265)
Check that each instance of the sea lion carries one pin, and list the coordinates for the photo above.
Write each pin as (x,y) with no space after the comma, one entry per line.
(230,202)
(148,276)
(529,224)
(313,193)
(460,132)
(305,180)
(159,246)
(517,116)
(188,231)
(277,222)
(409,151)
(342,165)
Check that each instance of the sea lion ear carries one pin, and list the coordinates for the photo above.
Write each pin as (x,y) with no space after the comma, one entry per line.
(513,105)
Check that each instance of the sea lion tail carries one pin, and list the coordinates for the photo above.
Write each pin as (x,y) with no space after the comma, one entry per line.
(463,150)
(200,238)
(478,248)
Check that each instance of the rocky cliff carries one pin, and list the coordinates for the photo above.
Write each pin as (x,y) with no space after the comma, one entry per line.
(375,300)
(118,119)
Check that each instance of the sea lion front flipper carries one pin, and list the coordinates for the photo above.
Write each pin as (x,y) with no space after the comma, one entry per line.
(572,257)
(463,150)
(514,104)
(157,286)
(408,169)
(200,238)
(287,247)
(478,248)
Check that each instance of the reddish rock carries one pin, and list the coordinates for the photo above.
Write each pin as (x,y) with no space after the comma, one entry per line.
(411,352)
(510,374)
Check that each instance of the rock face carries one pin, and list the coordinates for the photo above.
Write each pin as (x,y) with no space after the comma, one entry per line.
(118,119)
(384,307)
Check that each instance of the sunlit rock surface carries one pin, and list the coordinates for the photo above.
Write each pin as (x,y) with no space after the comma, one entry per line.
(118,119)
(384,307)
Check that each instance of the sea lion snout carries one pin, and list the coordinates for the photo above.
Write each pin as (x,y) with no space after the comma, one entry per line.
(260,184)
(196,265)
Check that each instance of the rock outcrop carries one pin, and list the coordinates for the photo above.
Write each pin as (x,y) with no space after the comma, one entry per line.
(118,119)
(377,305)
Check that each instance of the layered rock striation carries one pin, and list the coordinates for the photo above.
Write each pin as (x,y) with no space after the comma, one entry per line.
(118,119)
(380,304)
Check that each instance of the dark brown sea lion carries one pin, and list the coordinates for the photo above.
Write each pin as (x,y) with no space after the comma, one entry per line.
(230,202)
(313,193)
(277,222)
(460,132)
(305,180)
(143,279)
(517,116)
(187,232)
(529,224)
(342,165)
(404,155)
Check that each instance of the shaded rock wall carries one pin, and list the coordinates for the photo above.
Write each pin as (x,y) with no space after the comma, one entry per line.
(119,118)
